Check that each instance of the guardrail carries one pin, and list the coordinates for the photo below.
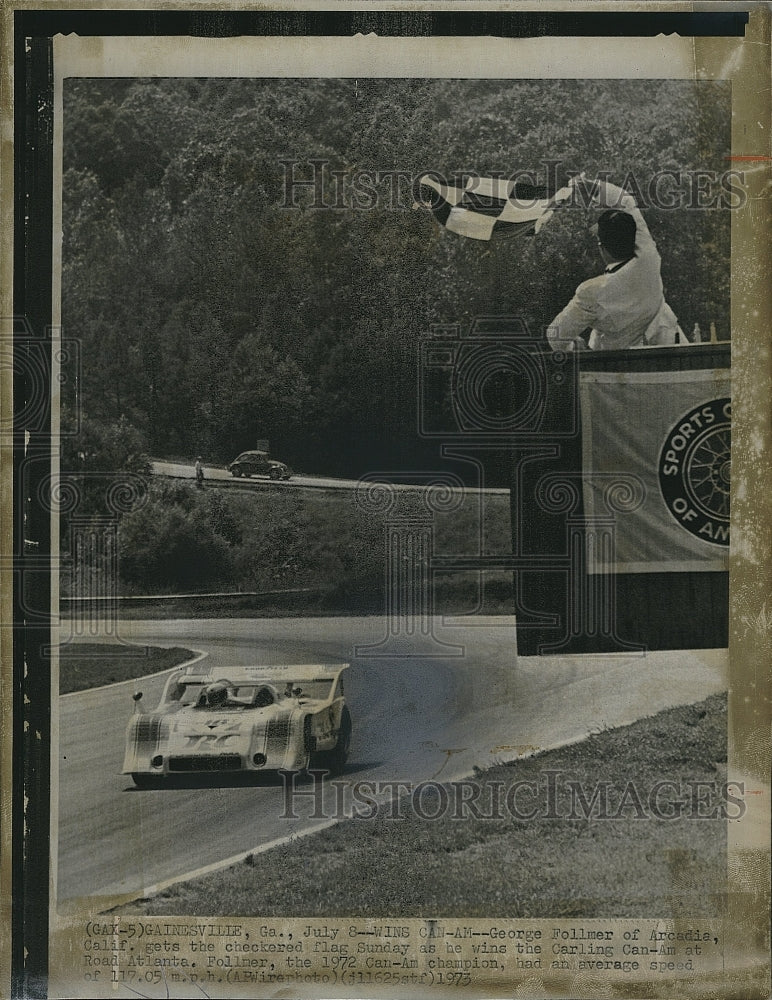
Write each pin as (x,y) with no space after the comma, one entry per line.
(224,595)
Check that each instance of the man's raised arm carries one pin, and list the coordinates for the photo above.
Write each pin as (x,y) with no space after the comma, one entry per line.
(608,196)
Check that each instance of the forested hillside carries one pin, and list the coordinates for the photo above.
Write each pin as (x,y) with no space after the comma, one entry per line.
(211,313)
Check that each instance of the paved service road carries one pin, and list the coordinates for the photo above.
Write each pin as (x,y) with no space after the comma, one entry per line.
(221,476)
(415,718)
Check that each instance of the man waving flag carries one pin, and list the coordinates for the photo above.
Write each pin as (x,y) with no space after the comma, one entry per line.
(483,207)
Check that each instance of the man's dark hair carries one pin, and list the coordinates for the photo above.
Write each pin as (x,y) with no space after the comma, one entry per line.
(616,232)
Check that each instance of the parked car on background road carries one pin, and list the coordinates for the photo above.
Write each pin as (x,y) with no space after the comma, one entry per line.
(258,463)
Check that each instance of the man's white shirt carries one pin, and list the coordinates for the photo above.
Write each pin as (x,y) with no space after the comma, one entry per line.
(624,306)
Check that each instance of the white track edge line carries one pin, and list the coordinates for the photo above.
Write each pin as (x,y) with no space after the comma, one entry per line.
(153,890)
(200,654)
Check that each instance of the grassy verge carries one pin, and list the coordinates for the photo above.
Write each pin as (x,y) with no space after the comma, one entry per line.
(566,861)
(84,665)
(184,540)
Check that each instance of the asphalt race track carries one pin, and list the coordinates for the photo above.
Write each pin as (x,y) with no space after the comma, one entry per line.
(432,715)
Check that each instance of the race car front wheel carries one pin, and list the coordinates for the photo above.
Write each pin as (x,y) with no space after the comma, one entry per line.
(145,780)
(335,760)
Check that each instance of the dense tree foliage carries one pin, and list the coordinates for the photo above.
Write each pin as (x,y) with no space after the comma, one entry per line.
(211,314)
(182,539)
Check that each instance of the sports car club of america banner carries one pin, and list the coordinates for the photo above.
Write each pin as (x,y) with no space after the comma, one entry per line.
(672,431)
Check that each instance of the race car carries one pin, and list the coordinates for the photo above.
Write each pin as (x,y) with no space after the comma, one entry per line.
(248,719)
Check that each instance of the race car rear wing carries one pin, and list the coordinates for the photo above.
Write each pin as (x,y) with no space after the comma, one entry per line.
(267,674)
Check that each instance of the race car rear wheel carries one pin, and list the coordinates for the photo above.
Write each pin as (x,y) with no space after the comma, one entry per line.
(335,760)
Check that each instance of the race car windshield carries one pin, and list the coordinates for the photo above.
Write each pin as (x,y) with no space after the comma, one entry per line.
(191,693)
(230,696)
(252,694)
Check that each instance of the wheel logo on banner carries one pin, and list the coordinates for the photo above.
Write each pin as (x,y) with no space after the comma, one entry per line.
(694,470)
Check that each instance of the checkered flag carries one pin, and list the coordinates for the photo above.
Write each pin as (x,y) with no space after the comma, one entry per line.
(483,207)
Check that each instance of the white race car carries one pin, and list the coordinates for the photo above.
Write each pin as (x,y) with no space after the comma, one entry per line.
(242,719)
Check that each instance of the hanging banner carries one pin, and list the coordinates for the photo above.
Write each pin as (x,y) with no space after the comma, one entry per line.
(673,431)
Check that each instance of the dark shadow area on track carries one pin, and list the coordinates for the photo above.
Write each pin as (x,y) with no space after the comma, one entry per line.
(241,779)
